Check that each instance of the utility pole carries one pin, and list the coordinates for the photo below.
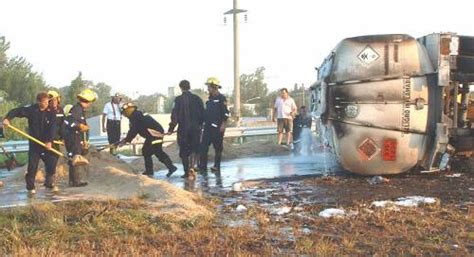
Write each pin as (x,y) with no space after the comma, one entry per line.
(235,11)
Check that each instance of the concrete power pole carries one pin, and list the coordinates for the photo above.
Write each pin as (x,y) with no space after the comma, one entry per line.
(235,11)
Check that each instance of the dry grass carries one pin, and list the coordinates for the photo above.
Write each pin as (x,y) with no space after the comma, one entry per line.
(128,228)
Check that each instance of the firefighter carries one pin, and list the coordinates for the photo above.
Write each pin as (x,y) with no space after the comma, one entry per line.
(187,113)
(215,117)
(76,129)
(55,106)
(148,128)
(42,126)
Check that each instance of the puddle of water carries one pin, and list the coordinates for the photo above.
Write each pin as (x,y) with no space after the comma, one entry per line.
(232,171)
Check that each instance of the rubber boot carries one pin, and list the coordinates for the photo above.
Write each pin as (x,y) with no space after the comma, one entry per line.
(203,164)
(217,162)
(185,166)
(169,164)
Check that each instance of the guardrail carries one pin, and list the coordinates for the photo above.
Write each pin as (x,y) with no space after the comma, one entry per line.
(241,133)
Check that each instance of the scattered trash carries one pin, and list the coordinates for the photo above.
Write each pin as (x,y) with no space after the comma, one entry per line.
(127,159)
(281,211)
(306,231)
(241,208)
(237,187)
(455,175)
(409,201)
(332,212)
(1,183)
(378,180)
(471,189)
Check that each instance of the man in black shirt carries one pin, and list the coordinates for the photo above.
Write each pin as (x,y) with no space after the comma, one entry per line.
(215,117)
(302,130)
(148,128)
(42,126)
(187,113)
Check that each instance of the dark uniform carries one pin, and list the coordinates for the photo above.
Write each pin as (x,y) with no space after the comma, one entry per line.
(42,126)
(188,114)
(74,139)
(59,133)
(139,124)
(299,123)
(215,114)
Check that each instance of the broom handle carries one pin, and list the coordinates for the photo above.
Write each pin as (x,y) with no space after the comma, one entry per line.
(35,140)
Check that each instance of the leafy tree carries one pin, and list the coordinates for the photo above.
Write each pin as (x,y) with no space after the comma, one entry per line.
(77,85)
(17,78)
(5,107)
(253,85)
(149,103)
(103,92)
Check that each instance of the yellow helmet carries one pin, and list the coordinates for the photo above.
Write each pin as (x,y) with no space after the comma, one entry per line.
(87,95)
(53,94)
(67,109)
(128,109)
(213,81)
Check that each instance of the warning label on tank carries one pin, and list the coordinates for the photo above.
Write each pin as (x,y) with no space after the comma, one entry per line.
(368,149)
(368,55)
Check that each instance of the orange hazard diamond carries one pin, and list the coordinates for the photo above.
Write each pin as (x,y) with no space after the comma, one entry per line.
(368,149)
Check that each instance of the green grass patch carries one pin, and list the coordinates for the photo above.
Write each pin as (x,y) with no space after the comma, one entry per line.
(21,158)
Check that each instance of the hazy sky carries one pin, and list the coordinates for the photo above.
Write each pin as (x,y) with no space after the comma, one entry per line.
(145,46)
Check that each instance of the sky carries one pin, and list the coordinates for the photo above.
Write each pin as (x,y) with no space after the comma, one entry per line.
(145,46)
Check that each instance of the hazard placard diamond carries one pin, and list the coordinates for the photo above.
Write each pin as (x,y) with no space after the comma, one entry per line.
(368,149)
(368,55)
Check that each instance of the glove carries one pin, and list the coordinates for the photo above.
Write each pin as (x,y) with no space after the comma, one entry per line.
(83,128)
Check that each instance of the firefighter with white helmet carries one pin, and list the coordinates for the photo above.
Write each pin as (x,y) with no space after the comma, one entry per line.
(148,128)
(76,134)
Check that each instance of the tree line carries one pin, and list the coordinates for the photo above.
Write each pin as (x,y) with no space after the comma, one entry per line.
(19,84)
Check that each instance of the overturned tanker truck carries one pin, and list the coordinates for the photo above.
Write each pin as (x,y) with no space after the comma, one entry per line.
(385,104)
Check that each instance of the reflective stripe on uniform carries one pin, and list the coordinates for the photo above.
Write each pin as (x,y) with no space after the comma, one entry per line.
(158,141)
(214,125)
(59,115)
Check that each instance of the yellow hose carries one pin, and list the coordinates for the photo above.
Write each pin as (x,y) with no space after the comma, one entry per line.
(35,140)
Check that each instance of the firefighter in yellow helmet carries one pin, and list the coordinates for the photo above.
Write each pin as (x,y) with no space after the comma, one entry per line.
(76,129)
(148,128)
(215,117)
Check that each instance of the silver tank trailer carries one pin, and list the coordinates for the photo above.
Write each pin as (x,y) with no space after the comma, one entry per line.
(371,102)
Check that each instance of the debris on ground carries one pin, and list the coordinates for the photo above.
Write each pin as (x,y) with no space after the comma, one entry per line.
(237,187)
(241,208)
(378,180)
(454,175)
(281,210)
(409,201)
(332,212)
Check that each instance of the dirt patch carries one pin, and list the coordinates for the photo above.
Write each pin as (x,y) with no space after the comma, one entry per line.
(111,178)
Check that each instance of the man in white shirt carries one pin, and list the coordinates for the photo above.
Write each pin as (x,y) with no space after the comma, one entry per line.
(112,125)
(285,110)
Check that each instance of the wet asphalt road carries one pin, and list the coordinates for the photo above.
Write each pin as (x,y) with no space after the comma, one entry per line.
(233,171)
